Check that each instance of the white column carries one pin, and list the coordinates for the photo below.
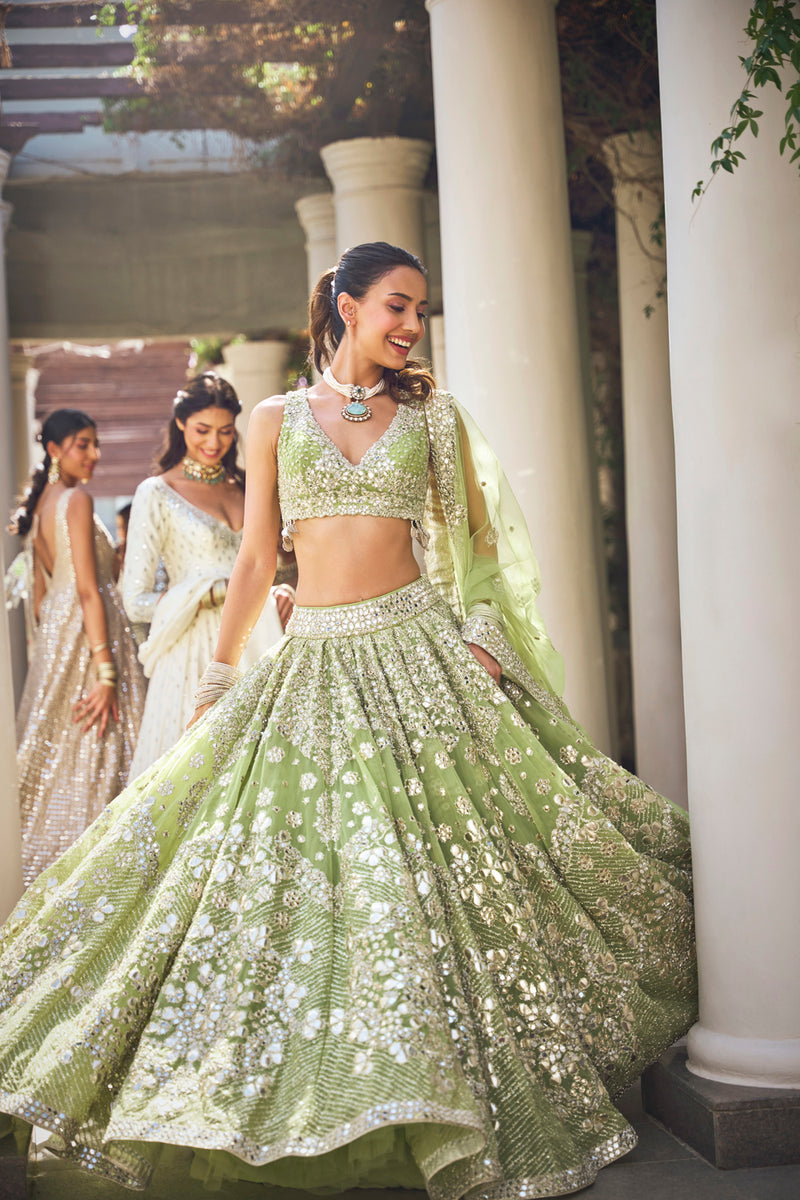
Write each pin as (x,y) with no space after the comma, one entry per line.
(10,848)
(377,194)
(27,451)
(257,370)
(635,165)
(509,299)
(317,216)
(378,190)
(734,294)
(438,349)
(581,249)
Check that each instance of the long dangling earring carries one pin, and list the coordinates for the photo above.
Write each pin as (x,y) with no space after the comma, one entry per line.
(54,471)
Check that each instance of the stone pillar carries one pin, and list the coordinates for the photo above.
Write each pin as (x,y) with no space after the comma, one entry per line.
(438,349)
(733,262)
(635,165)
(317,216)
(27,451)
(513,352)
(257,370)
(377,195)
(10,847)
(378,190)
(581,249)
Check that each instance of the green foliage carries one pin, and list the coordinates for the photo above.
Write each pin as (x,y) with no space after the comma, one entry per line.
(774,30)
(205,352)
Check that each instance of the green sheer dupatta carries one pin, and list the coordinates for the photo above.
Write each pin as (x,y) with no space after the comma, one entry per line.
(479,552)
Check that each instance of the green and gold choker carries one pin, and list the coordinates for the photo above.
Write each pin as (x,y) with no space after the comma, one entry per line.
(192,469)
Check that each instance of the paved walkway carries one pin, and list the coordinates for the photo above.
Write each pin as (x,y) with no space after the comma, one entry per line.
(660,1168)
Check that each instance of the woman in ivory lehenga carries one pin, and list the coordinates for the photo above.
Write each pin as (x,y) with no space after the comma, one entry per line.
(384,917)
(186,523)
(84,692)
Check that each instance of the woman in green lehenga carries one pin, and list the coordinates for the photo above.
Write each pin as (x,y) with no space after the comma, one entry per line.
(384,916)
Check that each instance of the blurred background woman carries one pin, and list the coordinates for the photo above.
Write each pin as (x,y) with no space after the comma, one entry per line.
(84,691)
(188,519)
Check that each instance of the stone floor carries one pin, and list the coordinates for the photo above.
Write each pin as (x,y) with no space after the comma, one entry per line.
(660,1168)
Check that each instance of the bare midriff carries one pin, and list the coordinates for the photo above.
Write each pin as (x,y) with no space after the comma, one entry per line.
(343,559)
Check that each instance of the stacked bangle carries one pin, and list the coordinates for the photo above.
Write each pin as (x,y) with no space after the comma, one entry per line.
(107,674)
(216,680)
(215,596)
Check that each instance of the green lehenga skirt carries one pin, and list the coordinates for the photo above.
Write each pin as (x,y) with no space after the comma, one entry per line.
(374,921)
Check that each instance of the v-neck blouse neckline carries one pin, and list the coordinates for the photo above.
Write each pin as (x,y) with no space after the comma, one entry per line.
(329,440)
(196,508)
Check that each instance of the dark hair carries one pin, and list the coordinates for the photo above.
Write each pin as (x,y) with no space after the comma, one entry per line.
(57,427)
(356,272)
(208,390)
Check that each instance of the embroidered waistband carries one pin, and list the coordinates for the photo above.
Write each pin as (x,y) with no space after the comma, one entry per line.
(365,616)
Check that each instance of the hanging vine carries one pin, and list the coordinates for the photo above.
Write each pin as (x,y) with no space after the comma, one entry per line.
(774,30)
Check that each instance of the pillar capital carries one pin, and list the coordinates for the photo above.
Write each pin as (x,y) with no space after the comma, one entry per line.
(317,215)
(364,164)
(377,185)
(257,370)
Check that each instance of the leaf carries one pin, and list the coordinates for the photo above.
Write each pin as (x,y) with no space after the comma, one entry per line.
(754,127)
(727,165)
(740,128)
(795,156)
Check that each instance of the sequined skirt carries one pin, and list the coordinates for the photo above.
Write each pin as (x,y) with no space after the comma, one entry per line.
(67,777)
(374,921)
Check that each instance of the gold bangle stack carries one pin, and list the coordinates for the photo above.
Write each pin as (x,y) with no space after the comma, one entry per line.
(215,681)
(215,596)
(107,674)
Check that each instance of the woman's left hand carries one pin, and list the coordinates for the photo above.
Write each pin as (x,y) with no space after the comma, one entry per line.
(486,660)
(96,708)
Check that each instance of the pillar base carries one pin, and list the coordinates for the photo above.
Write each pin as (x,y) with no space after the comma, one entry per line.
(729,1125)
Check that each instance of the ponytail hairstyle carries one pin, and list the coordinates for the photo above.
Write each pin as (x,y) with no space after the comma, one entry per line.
(208,390)
(57,427)
(355,273)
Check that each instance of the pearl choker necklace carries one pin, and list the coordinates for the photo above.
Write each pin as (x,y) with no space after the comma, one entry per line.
(356,410)
(202,473)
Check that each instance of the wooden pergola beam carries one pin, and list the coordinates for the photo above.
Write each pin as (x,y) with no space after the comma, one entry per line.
(50,122)
(66,87)
(40,56)
(202,12)
(55,16)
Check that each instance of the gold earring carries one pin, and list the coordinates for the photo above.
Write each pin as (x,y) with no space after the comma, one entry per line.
(54,471)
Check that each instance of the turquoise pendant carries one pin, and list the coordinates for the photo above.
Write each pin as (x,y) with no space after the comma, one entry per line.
(356,411)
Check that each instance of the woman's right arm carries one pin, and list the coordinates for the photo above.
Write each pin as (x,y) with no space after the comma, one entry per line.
(142,555)
(100,703)
(257,559)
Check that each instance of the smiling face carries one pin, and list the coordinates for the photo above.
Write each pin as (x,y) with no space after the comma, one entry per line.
(389,320)
(208,434)
(78,455)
